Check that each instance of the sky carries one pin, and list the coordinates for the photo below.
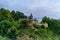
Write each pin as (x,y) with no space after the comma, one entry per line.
(39,8)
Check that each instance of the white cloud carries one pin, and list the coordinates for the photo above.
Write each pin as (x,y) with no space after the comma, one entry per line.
(37,7)
(48,5)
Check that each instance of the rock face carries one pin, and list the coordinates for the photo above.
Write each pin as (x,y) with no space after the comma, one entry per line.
(26,37)
(45,24)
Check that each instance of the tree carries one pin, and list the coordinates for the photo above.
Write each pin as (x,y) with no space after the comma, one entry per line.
(8,24)
(13,33)
(4,26)
(18,15)
(44,19)
(5,14)
(13,14)
(24,23)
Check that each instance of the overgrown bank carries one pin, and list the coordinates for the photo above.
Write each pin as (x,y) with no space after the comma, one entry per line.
(17,26)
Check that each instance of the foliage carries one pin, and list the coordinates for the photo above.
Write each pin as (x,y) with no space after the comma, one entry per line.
(14,24)
(53,24)
(18,15)
(4,38)
(23,23)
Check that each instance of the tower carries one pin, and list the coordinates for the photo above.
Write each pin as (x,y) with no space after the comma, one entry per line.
(31,16)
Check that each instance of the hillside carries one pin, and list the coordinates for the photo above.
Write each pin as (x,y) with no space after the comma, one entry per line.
(15,25)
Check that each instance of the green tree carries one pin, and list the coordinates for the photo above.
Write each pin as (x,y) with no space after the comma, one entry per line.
(5,25)
(24,23)
(13,14)
(5,14)
(13,33)
(18,15)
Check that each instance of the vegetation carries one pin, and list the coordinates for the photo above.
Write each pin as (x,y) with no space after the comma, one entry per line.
(2,38)
(15,25)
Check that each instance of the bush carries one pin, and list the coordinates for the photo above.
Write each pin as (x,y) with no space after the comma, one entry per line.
(4,38)
(24,23)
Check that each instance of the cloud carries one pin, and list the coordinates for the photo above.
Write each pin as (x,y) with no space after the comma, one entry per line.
(39,8)
(51,6)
